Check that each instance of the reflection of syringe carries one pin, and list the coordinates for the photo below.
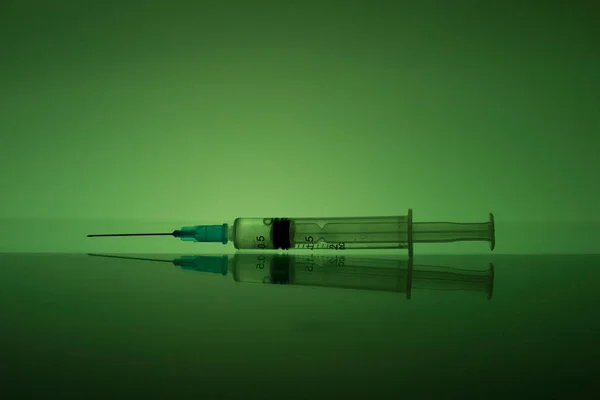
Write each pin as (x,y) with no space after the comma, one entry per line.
(380,273)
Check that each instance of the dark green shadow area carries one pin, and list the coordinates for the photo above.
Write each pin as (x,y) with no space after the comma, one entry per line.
(80,326)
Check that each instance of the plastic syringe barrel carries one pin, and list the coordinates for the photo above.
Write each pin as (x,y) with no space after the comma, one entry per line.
(435,232)
(351,233)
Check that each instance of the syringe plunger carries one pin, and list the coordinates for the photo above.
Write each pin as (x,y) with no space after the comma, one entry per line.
(435,232)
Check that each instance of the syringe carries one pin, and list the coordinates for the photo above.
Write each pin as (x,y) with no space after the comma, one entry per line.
(331,233)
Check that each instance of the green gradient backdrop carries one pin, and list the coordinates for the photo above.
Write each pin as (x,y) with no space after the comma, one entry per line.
(158,114)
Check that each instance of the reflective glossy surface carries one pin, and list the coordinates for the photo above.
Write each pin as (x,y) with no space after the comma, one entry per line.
(96,327)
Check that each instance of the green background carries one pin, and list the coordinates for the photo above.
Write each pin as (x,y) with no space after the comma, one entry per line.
(130,115)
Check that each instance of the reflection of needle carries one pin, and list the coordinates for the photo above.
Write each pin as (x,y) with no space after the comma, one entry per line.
(129,258)
(196,263)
